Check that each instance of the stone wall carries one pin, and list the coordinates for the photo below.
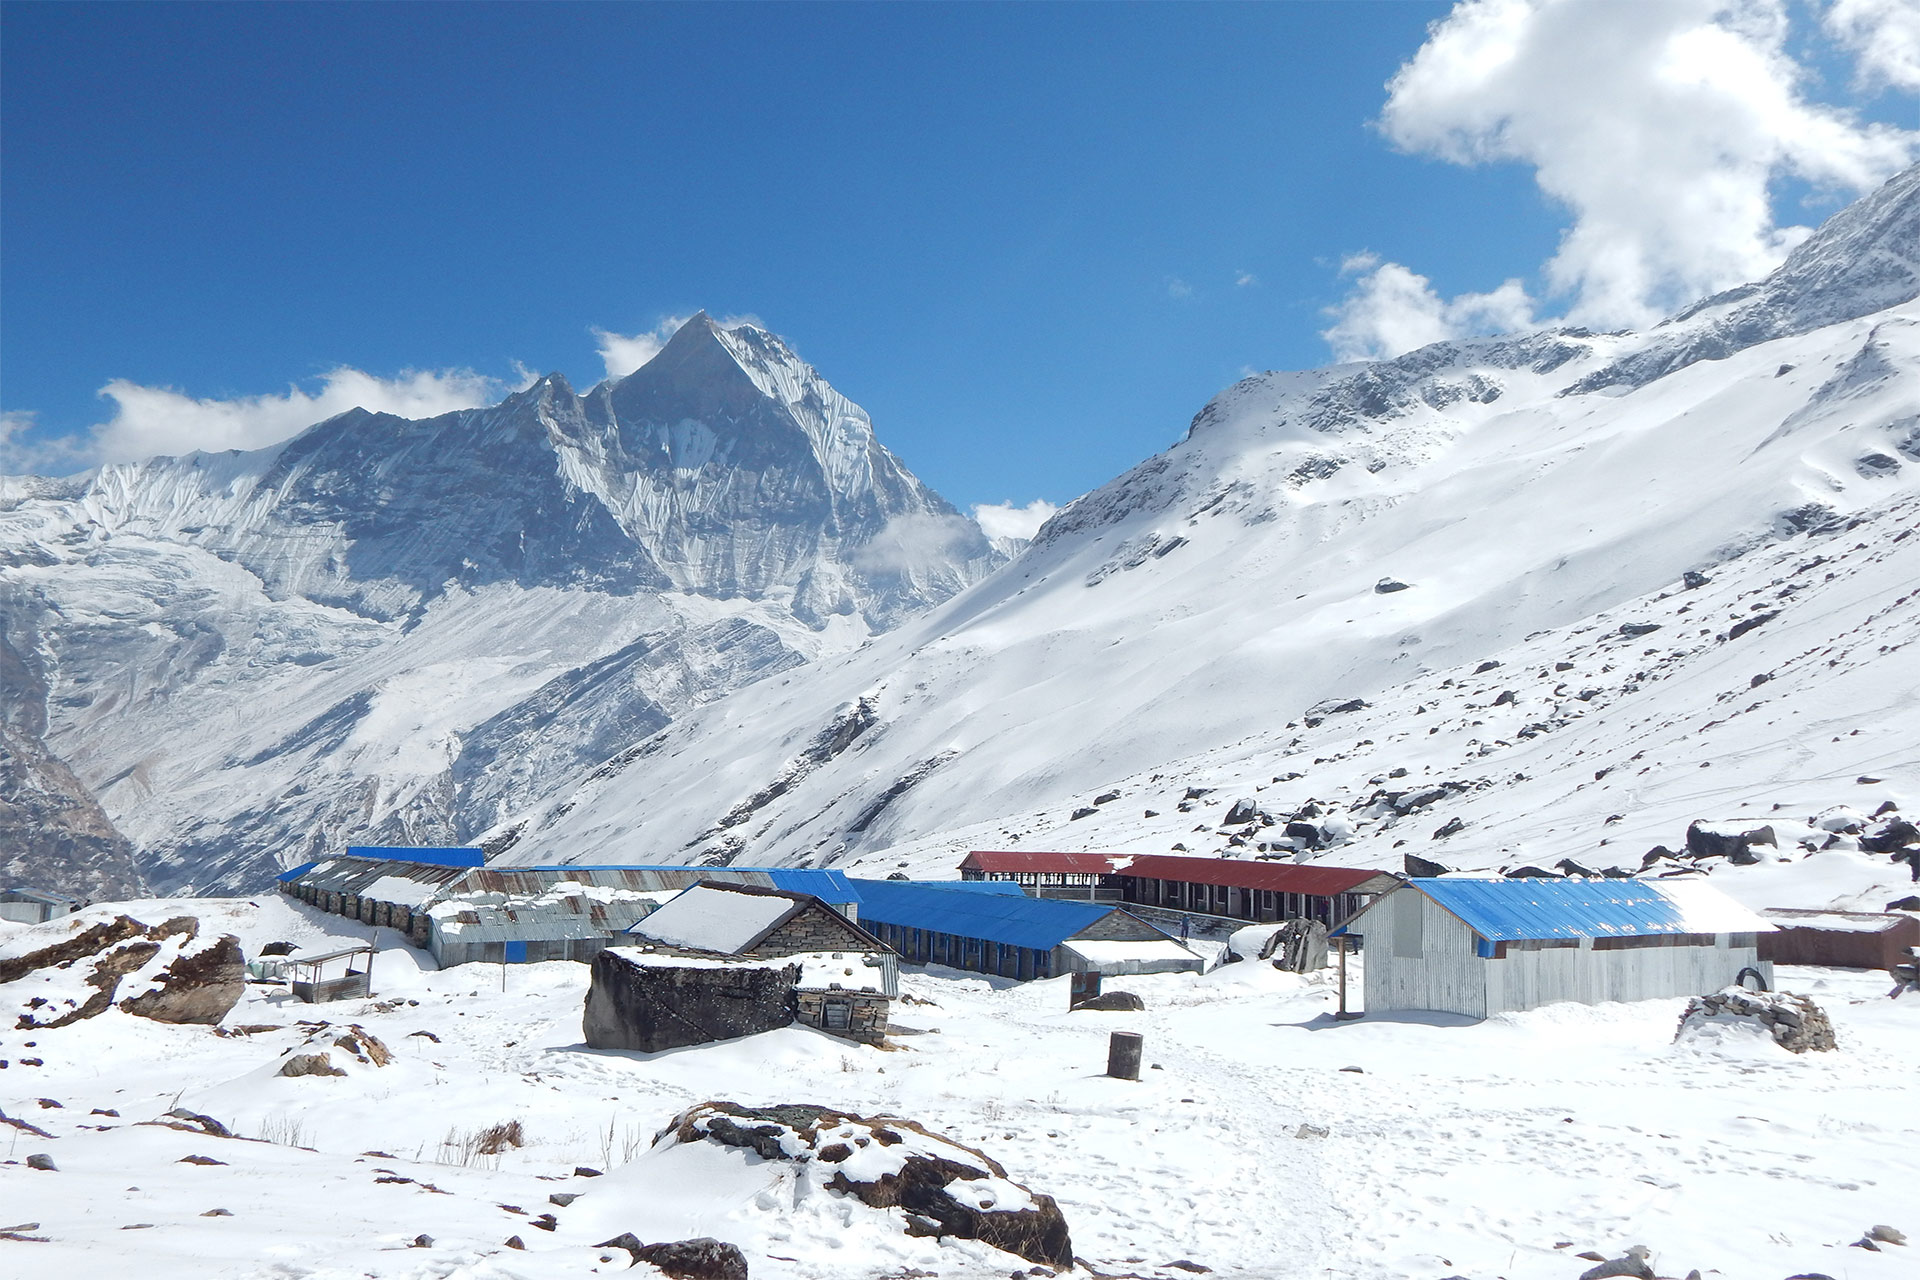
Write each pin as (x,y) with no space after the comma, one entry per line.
(867,1021)
(815,927)
(634,1005)
(1118,926)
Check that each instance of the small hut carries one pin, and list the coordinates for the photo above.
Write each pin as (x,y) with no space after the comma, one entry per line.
(1841,939)
(36,906)
(1484,946)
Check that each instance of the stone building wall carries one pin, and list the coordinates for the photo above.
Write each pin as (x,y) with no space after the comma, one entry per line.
(634,1005)
(1118,926)
(815,927)
(867,1020)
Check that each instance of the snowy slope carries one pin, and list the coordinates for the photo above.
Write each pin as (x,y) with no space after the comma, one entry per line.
(387,631)
(1179,626)
(1264,1140)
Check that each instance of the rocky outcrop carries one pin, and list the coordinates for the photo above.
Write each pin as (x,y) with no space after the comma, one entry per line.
(169,972)
(198,987)
(942,1187)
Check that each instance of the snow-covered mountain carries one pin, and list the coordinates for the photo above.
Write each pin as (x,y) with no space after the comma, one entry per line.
(393,630)
(1550,593)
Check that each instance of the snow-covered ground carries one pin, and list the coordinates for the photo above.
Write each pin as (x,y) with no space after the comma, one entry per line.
(1497,1148)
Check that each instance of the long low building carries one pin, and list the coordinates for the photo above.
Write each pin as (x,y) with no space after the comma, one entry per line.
(1484,946)
(447,902)
(1010,935)
(1238,888)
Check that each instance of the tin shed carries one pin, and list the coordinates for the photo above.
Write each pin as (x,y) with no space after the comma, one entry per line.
(1484,946)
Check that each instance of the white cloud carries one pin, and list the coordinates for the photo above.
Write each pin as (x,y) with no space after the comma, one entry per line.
(1883,35)
(1004,520)
(623,353)
(21,456)
(1659,125)
(916,542)
(1393,310)
(148,421)
(1243,279)
(1178,288)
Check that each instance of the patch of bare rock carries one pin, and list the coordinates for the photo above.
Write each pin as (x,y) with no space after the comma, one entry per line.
(169,972)
(943,1187)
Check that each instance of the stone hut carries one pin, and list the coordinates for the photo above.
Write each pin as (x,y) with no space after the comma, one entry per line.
(723,960)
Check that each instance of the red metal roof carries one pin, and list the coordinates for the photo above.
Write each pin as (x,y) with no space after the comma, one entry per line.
(1279,877)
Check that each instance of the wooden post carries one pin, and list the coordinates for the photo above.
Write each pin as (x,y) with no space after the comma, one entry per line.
(1123,1054)
(1343,1015)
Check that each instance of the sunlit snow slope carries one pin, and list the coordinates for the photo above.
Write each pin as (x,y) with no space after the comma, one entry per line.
(1381,532)
(388,631)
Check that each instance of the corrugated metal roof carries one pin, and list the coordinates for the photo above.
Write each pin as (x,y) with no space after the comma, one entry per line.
(1514,910)
(1236,873)
(430,856)
(355,875)
(1039,923)
(827,885)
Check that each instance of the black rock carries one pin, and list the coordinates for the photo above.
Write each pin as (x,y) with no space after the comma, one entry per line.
(1897,834)
(1759,680)
(1423,868)
(1194,793)
(1702,843)
(1486,666)
(1745,625)
(1087,812)
(1530,872)
(1638,628)
(1106,796)
(1244,810)
(1693,579)
(1569,867)
(1506,698)
(701,1259)
(1305,832)
(1452,826)
(1387,586)
(1910,903)
(1114,1002)
(44,1163)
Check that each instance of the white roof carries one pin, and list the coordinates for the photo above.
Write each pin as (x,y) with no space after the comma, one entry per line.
(711,919)
(1105,952)
(1704,909)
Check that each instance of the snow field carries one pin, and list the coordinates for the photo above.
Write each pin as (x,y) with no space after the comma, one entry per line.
(1459,1148)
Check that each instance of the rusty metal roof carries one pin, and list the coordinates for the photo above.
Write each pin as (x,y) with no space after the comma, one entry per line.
(1237,873)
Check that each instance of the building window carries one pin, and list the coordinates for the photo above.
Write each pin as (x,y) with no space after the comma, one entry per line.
(836,1015)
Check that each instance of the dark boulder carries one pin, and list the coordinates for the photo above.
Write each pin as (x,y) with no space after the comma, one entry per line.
(1243,810)
(1387,586)
(1530,872)
(1889,836)
(1735,847)
(701,1259)
(1424,868)
(1113,1002)
(1745,625)
(1306,833)
(197,988)
(1451,827)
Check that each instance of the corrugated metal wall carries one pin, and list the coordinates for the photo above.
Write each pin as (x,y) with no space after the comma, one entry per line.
(1420,956)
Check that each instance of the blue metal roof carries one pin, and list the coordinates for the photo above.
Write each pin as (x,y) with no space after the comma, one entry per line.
(294,873)
(431,857)
(1515,910)
(824,884)
(942,907)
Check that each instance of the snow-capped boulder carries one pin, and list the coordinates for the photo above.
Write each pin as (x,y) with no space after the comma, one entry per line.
(940,1187)
(1794,1022)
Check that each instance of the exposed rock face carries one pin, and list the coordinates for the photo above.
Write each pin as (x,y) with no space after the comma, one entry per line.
(1796,1023)
(173,974)
(945,1189)
(200,987)
(53,833)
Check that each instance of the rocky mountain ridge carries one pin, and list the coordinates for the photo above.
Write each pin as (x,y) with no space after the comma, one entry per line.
(386,630)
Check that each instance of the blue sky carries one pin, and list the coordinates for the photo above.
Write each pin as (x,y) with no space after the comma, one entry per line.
(1031,240)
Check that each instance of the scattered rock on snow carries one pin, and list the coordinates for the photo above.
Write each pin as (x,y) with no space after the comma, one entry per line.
(1424,868)
(42,1162)
(310,1064)
(1387,586)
